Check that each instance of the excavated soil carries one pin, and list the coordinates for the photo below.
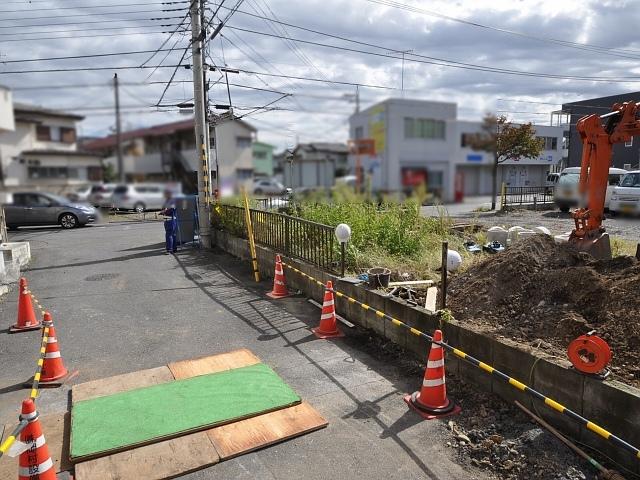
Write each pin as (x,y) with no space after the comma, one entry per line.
(545,295)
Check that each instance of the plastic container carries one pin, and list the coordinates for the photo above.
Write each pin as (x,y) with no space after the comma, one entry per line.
(379,277)
(497,234)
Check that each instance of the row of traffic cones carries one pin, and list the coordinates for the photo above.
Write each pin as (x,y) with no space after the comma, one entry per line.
(431,400)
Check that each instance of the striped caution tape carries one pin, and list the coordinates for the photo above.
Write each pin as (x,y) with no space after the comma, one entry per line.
(36,376)
(488,369)
(37,302)
(6,445)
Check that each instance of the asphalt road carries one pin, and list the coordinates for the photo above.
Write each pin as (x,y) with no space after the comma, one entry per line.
(121,305)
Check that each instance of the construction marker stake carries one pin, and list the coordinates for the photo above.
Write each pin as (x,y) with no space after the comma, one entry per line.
(549,402)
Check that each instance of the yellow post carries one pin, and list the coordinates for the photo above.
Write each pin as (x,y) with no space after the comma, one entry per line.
(503,195)
(252,243)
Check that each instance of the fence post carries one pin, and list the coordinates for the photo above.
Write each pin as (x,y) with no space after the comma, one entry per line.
(287,230)
(503,196)
(535,202)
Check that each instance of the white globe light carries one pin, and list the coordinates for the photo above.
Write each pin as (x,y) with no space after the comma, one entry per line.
(343,233)
(454,260)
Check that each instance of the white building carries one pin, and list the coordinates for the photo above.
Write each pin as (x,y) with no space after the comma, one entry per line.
(38,149)
(421,141)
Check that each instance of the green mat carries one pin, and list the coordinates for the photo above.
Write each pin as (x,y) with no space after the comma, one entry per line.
(144,415)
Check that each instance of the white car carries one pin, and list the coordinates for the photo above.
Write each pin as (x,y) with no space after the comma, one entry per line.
(100,195)
(268,186)
(566,194)
(626,196)
(139,196)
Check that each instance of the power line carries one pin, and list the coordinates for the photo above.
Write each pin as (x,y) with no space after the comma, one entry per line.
(91,14)
(565,43)
(82,7)
(88,29)
(121,34)
(459,65)
(75,57)
(320,80)
(91,69)
(87,23)
(169,37)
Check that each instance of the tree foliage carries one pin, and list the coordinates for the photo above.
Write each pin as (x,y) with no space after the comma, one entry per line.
(506,140)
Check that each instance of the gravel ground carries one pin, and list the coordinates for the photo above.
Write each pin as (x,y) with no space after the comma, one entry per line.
(554,220)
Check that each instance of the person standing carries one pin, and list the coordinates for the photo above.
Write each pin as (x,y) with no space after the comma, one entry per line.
(170,223)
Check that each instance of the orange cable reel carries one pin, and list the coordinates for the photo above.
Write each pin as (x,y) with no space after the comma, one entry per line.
(589,354)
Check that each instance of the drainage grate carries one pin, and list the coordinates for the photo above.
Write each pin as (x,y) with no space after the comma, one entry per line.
(101,276)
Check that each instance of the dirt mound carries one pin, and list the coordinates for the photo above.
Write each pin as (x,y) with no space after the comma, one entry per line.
(537,290)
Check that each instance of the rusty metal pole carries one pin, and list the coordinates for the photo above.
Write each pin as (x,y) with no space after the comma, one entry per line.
(443,276)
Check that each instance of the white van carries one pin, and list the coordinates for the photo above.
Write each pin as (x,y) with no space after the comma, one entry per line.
(566,195)
(626,196)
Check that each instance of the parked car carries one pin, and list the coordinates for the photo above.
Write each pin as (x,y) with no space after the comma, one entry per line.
(626,196)
(566,194)
(100,195)
(39,209)
(268,186)
(551,181)
(139,196)
(80,194)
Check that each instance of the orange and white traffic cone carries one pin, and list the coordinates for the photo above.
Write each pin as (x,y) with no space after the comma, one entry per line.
(279,284)
(35,462)
(26,314)
(53,367)
(431,401)
(328,323)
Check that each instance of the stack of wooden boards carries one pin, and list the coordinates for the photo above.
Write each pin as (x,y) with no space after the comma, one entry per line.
(167,421)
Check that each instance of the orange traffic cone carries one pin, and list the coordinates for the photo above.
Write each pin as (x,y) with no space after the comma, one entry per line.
(53,368)
(35,462)
(328,324)
(26,314)
(279,283)
(431,401)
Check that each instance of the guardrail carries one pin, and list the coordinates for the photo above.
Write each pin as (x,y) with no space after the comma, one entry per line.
(294,237)
(526,196)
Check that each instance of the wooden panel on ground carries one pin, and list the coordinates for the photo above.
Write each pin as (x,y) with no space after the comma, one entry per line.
(258,432)
(120,383)
(212,364)
(104,425)
(55,428)
(166,459)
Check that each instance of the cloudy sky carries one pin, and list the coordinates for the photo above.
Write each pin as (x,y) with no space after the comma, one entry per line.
(523,58)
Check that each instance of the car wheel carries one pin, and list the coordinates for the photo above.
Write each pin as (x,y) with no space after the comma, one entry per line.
(612,213)
(139,207)
(68,220)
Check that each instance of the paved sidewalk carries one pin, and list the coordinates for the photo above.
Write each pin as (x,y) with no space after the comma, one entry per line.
(121,305)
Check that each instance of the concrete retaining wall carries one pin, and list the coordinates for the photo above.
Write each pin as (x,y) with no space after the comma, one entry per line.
(610,404)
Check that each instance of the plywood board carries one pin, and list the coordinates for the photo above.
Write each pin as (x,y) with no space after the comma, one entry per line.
(120,383)
(213,364)
(258,432)
(430,301)
(166,459)
(55,428)
(107,424)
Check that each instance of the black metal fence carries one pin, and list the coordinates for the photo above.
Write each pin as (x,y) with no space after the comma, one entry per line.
(312,242)
(530,197)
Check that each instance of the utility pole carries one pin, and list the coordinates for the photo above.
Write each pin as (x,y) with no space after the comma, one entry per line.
(118,131)
(201,128)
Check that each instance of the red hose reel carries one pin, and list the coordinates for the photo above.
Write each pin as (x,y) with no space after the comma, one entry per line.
(589,353)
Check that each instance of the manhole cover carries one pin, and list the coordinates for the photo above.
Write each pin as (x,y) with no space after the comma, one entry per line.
(101,276)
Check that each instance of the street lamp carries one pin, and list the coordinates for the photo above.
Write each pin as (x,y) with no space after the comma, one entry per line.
(343,234)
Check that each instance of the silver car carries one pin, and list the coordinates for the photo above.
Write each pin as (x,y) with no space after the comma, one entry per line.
(37,208)
(139,197)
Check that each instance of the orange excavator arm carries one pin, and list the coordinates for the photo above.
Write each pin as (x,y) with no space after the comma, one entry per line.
(620,125)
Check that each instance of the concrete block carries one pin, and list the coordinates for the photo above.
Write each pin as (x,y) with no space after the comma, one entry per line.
(480,347)
(563,385)
(417,344)
(396,309)
(615,407)
(375,302)
(518,364)
(3,290)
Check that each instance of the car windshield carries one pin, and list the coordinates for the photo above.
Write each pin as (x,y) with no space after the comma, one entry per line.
(569,179)
(631,180)
(121,189)
(57,198)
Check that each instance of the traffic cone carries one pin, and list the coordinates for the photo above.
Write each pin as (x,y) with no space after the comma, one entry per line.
(328,323)
(53,367)
(279,283)
(35,462)
(431,401)
(26,314)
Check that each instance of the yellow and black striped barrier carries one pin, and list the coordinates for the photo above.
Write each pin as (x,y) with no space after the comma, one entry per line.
(490,370)
(36,377)
(6,445)
(37,302)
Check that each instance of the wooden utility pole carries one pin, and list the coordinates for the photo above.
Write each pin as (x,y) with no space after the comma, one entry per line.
(118,130)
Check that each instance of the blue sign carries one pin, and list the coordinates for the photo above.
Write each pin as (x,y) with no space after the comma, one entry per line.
(550,158)
(474,158)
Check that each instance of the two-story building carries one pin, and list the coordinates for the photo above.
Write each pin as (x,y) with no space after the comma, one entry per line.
(167,152)
(315,165)
(263,159)
(39,151)
(423,142)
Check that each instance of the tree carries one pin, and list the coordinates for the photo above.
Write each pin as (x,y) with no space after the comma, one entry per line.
(108,173)
(507,142)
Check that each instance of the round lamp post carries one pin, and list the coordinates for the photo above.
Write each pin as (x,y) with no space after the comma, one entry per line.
(343,234)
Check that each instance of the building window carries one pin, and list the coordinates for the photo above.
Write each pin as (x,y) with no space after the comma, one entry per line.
(94,174)
(244,173)
(359,133)
(466,139)
(52,172)
(549,143)
(424,128)
(243,142)
(68,135)
(43,133)
(260,155)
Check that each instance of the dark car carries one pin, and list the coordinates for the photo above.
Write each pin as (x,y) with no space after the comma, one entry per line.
(37,208)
